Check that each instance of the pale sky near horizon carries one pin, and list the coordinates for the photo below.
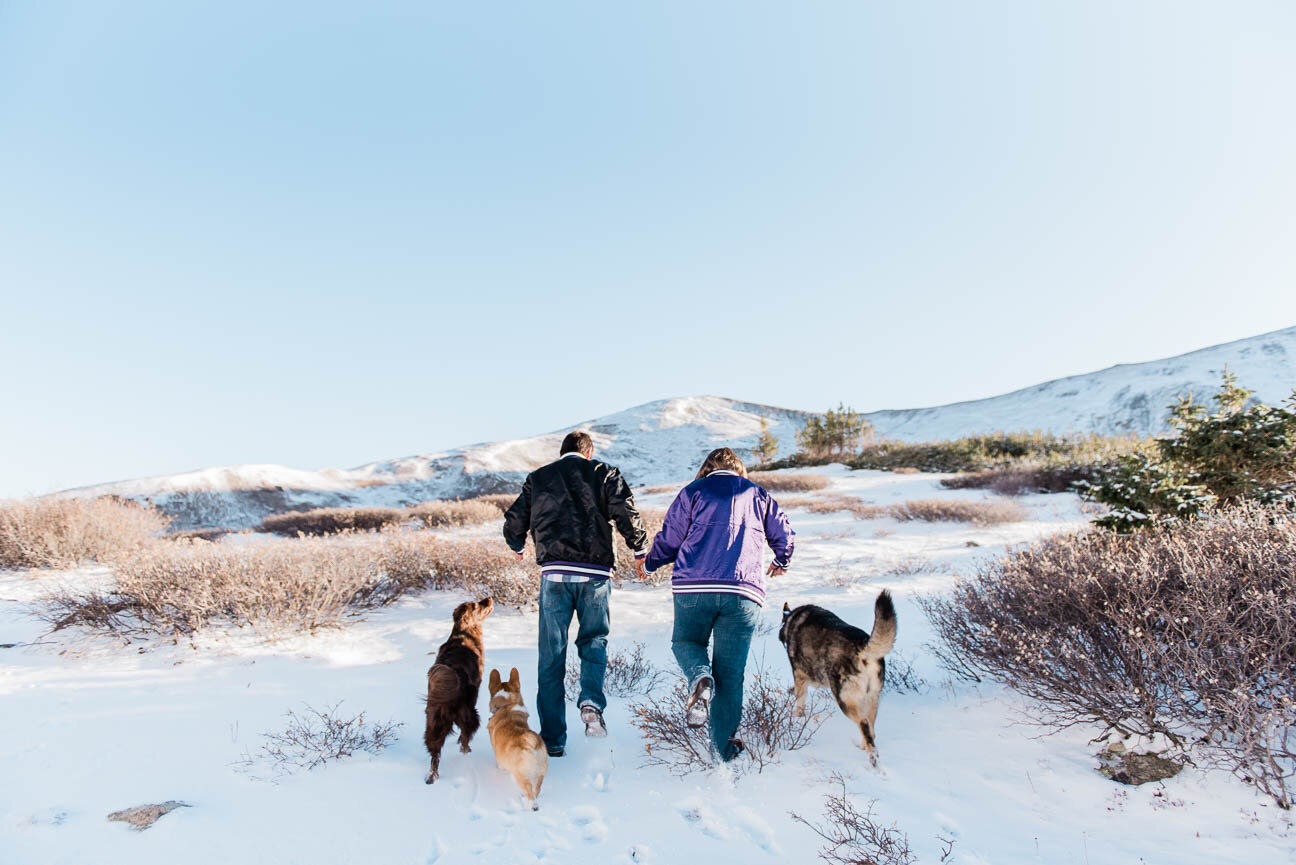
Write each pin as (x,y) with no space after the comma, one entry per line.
(316,234)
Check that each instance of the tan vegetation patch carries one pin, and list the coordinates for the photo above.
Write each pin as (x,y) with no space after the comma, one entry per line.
(330,521)
(835,503)
(983,513)
(777,482)
(61,533)
(467,512)
(299,584)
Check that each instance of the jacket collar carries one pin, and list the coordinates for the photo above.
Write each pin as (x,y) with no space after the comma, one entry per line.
(722,472)
(573,454)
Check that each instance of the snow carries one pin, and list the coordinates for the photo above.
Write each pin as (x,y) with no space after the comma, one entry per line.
(92,725)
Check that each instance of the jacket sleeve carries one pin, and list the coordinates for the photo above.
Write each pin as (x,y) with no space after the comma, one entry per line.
(779,534)
(517,519)
(675,528)
(625,515)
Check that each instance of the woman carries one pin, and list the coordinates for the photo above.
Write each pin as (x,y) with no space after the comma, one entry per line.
(715,533)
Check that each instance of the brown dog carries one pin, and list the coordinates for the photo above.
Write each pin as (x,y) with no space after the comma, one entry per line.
(454,681)
(518,749)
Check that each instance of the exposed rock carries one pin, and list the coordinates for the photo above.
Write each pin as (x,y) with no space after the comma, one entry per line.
(1126,767)
(144,816)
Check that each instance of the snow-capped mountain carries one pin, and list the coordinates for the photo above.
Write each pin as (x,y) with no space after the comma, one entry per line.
(1123,399)
(662,442)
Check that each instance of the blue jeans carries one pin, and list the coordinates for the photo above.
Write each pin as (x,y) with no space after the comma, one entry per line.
(732,620)
(589,601)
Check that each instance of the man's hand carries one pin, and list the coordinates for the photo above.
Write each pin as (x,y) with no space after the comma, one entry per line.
(775,570)
(521,555)
(640,573)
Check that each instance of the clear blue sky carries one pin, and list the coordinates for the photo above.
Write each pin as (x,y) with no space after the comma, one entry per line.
(321,234)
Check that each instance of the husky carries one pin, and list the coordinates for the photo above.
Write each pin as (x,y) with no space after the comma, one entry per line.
(826,652)
(519,750)
(454,681)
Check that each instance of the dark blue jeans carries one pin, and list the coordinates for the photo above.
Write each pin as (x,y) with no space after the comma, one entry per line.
(589,601)
(731,619)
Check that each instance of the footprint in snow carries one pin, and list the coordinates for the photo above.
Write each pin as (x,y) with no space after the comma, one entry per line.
(701,815)
(640,854)
(589,820)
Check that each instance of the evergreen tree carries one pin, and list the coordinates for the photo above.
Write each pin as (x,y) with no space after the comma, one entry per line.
(767,446)
(1240,452)
(837,432)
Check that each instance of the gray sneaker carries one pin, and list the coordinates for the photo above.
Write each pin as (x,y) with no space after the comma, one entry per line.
(593,718)
(698,711)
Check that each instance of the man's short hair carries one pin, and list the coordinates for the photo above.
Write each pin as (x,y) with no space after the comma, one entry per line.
(577,443)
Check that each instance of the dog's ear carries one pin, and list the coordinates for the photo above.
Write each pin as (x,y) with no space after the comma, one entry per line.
(460,610)
(787,611)
(515,681)
(495,680)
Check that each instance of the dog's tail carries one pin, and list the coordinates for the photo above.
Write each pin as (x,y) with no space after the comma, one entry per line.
(882,640)
(443,684)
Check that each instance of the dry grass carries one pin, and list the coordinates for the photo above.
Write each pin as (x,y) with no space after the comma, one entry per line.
(776,482)
(855,837)
(625,567)
(767,729)
(835,503)
(1016,480)
(983,513)
(319,736)
(294,584)
(467,512)
(60,533)
(905,470)
(330,521)
(628,674)
(503,501)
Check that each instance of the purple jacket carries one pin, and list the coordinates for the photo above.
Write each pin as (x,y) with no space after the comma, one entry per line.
(715,533)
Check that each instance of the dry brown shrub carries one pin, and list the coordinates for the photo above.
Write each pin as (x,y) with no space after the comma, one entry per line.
(628,674)
(905,470)
(199,534)
(661,488)
(835,503)
(653,519)
(503,501)
(299,584)
(1188,632)
(477,566)
(467,512)
(768,726)
(777,482)
(60,533)
(983,513)
(1016,480)
(855,837)
(330,521)
(316,737)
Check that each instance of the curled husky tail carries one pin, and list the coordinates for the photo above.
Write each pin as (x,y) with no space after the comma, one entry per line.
(443,685)
(882,640)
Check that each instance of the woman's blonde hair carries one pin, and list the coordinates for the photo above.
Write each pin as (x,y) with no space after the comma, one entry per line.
(722,459)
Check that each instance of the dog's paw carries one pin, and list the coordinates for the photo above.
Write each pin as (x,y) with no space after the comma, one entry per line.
(431,776)
(873,759)
(464,749)
(798,712)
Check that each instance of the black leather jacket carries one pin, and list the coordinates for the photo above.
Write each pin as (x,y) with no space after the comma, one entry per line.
(568,506)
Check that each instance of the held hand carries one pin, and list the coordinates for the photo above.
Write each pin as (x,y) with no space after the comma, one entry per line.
(522,554)
(775,570)
(640,574)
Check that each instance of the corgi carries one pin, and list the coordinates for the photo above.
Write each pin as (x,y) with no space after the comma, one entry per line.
(519,750)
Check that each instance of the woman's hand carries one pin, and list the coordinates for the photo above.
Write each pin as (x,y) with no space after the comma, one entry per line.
(775,571)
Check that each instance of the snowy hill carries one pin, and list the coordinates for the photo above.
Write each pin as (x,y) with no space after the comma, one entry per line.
(655,443)
(1126,398)
(663,442)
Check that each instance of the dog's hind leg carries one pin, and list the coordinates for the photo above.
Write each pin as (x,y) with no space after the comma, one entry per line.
(468,722)
(868,718)
(800,684)
(434,736)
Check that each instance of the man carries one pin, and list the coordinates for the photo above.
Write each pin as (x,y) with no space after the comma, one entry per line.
(568,506)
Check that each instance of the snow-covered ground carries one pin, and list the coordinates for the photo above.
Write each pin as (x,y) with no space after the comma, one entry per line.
(90,726)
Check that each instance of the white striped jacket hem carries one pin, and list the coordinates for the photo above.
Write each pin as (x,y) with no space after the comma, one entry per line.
(743,589)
